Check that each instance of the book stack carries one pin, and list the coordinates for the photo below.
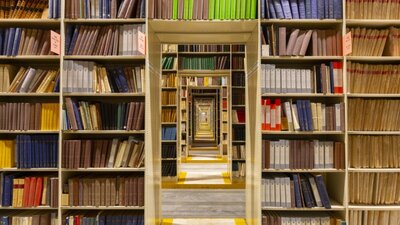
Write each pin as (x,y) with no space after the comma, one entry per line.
(301,9)
(375,217)
(28,80)
(168,97)
(85,76)
(238,48)
(103,40)
(302,154)
(282,218)
(22,218)
(238,169)
(24,41)
(362,114)
(104,153)
(367,151)
(169,80)
(301,115)
(169,63)
(368,42)
(202,9)
(104,218)
(203,48)
(168,151)
(285,41)
(238,152)
(105,191)
(373,78)
(372,10)
(83,115)
(294,191)
(168,115)
(238,116)
(35,9)
(204,63)
(168,133)
(324,78)
(29,191)
(168,168)
(105,9)
(29,116)
(376,188)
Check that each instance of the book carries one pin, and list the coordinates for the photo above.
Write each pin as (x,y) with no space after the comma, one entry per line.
(35,219)
(168,168)
(373,10)
(17,9)
(168,151)
(204,63)
(238,151)
(126,218)
(301,217)
(384,217)
(375,39)
(238,170)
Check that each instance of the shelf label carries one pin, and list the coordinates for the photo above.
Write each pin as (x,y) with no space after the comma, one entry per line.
(347,44)
(141,42)
(55,42)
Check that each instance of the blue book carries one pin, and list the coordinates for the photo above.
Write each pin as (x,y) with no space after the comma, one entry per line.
(278,9)
(337,10)
(307,193)
(326,9)
(332,85)
(25,152)
(323,193)
(300,114)
(18,151)
(4,220)
(5,42)
(30,157)
(320,12)
(87,9)
(1,40)
(124,219)
(271,8)
(107,9)
(309,115)
(304,114)
(330,9)
(44,155)
(295,9)
(7,190)
(308,9)
(286,9)
(263,9)
(77,115)
(302,9)
(141,220)
(16,41)
(68,37)
(51,9)
(102,220)
(101,8)
(11,36)
(57,85)
(314,9)
(73,41)
(122,80)
(297,194)
(143,9)
(55,151)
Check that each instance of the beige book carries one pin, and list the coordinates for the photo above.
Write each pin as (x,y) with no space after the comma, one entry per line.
(305,43)
(23,47)
(120,154)
(31,42)
(18,79)
(44,192)
(22,41)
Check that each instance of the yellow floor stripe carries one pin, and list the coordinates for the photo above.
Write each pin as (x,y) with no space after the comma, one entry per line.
(226,177)
(239,221)
(182,178)
(167,221)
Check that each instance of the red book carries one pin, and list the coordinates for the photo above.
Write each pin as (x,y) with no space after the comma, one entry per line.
(38,191)
(77,220)
(337,77)
(32,192)
(241,115)
(25,196)
(263,121)
(278,114)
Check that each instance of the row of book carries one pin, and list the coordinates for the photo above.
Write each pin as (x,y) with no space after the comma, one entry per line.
(103,40)
(35,9)
(285,41)
(168,151)
(168,168)
(301,115)
(168,97)
(204,81)
(104,218)
(83,115)
(374,188)
(168,115)
(363,114)
(28,191)
(374,217)
(302,154)
(24,41)
(238,97)
(203,9)
(169,63)
(169,80)
(29,151)
(238,151)
(294,191)
(28,80)
(313,218)
(204,48)
(238,79)
(364,9)
(237,62)
(238,116)
(104,191)
(54,9)
(23,219)
(373,78)
(301,9)
(105,153)
(238,169)
(367,151)
(89,9)
(85,76)
(239,133)
(392,46)
(324,78)
(168,133)
(29,116)
(169,48)
(368,42)
(204,63)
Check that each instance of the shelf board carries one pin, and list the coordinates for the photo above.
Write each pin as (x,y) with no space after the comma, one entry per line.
(238,87)
(371,22)
(168,141)
(105,21)
(334,208)
(28,208)
(168,159)
(169,53)
(237,123)
(373,58)
(303,171)
(29,170)
(169,70)
(75,94)
(31,22)
(238,70)
(239,160)
(238,141)
(102,207)
(300,58)
(168,106)
(203,72)
(360,95)
(88,170)
(302,21)
(303,132)
(204,53)
(168,88)
(168,123)
(106,58)
(29,131)
(35,58)
(375,170)
(238,53)
(35,95)
(103,131)
(374,207)
(238,106)
(302,95)
(373,132)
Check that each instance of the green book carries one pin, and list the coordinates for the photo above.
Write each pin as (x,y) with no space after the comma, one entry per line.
(228,10)
(233,9)
(185,9)
(248,9)
(222,9)
(211,9)
(175,10)
(253,9)
(243,9)
(191,9)
(216,8)
(238,7)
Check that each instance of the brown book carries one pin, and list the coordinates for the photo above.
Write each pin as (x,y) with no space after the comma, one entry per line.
(180,9)
(141,191)
(135,191)
(88,153)
(151,9)
(70,114)
(77,154)
(113,192)
(140,117)
(107,192)
(122,192)
(44,219)
(97,153)
(97,196)
(292,151)
(104,147)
